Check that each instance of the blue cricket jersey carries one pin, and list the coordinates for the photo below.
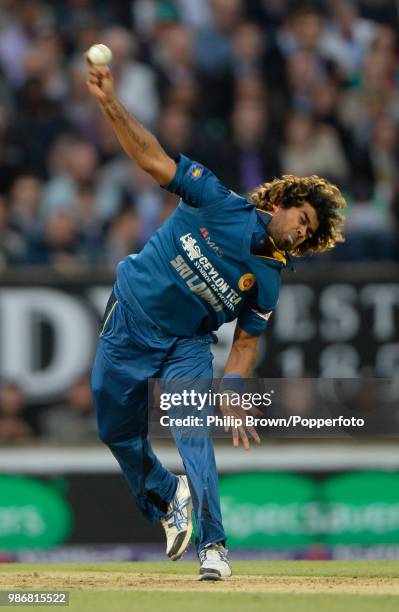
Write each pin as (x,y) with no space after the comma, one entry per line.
(197,271)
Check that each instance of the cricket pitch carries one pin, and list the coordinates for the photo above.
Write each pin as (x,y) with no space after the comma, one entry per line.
(281,585)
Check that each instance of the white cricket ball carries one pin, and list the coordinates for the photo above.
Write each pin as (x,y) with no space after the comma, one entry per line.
(100,54)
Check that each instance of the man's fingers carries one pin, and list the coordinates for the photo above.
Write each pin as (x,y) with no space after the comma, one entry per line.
(226,413)
(97,74)
(254,434)
(236,441)
(239,432)
(97,69)
(94,75)
(244,438)
(100,71)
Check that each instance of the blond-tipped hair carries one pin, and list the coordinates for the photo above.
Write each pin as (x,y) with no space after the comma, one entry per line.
(325,198)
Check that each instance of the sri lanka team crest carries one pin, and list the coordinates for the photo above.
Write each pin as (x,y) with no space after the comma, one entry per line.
(247,281)
(196,171)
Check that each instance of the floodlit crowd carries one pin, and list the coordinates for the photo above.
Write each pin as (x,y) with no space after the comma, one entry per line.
(251,89)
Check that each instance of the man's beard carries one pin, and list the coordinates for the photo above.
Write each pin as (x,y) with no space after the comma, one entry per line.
(284,243)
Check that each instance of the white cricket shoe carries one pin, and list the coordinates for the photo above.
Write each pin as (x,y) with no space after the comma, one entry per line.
(214,562)
(178,522)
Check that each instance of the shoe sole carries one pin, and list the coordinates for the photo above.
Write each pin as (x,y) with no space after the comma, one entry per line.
(210,575)
(184,544)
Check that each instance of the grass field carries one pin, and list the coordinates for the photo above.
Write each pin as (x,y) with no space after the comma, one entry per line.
(278,586)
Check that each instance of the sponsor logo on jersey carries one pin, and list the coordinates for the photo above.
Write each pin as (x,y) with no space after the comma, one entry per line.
(208,272)
(191,247)
(195,284)
(212,245)
(196,171)
(263,315)
(246,281)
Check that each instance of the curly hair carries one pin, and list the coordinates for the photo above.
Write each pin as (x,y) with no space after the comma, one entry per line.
(325,198)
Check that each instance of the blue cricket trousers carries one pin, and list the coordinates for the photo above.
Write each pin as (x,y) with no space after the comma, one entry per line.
(131,350)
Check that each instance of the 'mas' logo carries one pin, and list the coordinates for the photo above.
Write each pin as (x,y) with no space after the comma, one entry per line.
(215,248)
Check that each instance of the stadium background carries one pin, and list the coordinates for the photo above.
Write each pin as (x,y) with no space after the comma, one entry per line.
(251,89)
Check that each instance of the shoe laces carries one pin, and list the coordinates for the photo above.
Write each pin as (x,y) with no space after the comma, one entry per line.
(212,551)
(177,516)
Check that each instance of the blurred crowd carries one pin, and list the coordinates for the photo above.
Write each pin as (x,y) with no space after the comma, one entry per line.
(251,89)
(70,421)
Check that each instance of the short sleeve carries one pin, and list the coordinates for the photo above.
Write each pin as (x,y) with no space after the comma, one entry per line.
(197,185)
(253,319)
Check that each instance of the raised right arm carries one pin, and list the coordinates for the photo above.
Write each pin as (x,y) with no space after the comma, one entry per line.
(139,144)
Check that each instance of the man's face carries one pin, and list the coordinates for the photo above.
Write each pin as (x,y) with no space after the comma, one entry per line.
(289,227)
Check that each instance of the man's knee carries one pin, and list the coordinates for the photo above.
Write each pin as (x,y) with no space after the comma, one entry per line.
(121,413)
(113,429)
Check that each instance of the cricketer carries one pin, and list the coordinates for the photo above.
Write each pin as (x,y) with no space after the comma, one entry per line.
(217,258)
